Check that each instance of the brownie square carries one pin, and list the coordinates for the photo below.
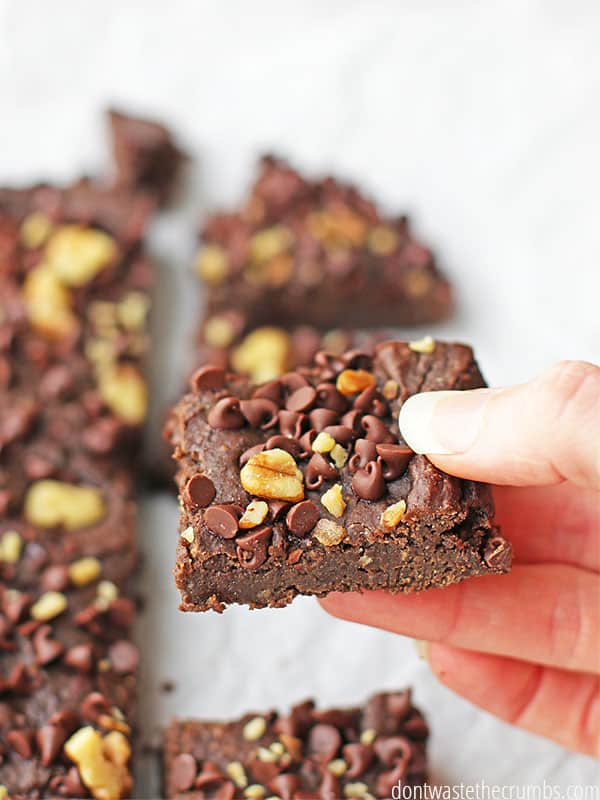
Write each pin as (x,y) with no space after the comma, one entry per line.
(303,485)
(353,753)
(317,252)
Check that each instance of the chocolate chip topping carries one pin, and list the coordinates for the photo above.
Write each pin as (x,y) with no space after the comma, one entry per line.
(208,377)
(223,520)
(183,772)
(368,483)
(226,414)
(199,491)
(302,518)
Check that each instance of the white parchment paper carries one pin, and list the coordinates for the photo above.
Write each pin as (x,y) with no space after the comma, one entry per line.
(480,119)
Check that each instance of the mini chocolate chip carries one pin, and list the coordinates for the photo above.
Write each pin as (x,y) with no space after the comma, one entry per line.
(226,414)
(302,517)
(122,612)
(208,377)
(225,792)
(252,549)
(330,788)
(80,657)
(329,363)
(55,578)
(357,359)
(260,412)
(306,441)
(124,656)
(102,436)
(392,749)
(56,381)
(291,423)
(368,483)
(68,785)
(271,391)
(302,399)
(320,418)
(372,402)
(50,739)
(416,727)
(287,443)
(497,554)
(285,785)
(183,772)
(46,649)
(277,508)
(223,520)
(263,771)
(210,773)
(324,741)
(318,470)
(92,705)
(351,419)
(329,397)
(199,491)
(395,458)
(375,430)
(67,719)
(364,451)
(340,433)
(388,782)
(21,742)
(251,451)
(14,606)
(358,757)
(292,381)
(399,704)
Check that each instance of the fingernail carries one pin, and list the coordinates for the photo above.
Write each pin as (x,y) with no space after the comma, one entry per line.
(422,648)
(442,423)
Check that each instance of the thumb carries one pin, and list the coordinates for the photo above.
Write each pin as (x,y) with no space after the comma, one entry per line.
(533,434)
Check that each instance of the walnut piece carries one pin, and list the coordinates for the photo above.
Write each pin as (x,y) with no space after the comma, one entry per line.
(328,533)
(263,354)
(255,513)
(11,545)
(102,762)
(274,475)
(211,264)
(425,345)
(48,304)
(354,381)
(333,500)
(124,391)
(48,606)
(76,253)
(392,515)
(254,729)
(50,503)
(84,570)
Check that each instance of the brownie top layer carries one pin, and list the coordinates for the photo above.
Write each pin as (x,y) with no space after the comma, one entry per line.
(314,462)
(298,245)
(357,752)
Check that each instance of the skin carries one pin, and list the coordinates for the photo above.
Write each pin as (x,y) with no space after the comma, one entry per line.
(524,646)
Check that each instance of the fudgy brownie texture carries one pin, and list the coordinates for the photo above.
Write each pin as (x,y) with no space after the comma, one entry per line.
(145,155)
(74,300)
(316,252)
(303,485)
(307,755)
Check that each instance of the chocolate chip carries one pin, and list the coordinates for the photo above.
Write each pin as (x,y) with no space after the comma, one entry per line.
(330,788)
(358,757)
(15,605)
(324,741)
(46,649)
(372,402)
(271,391)
(208,377)
(388,782)
(210,773)
(302,518)
(251,451)
(225,792)
(291,422)
(80,657)
(292,381)
(122,612)
(368,483)
(287,443)
(183,772)
(395,458)
(102,436)
(55,578)
(302,399)
(124,656)
(277,508)
(252,549)
(306,441)
(50,739)
(68,785)
(329,397)
(318,470)
(399,704)
(498,554)
(375,430)
(94,704)
(321,418)
(260,412)
(199,491)
(21,742)
(393,749)
(340,433)
(223,520)
(67,719)
(226,414)
(285,785)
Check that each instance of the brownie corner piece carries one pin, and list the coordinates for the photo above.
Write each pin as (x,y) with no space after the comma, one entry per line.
(361,752)
(146,157)
(304,485)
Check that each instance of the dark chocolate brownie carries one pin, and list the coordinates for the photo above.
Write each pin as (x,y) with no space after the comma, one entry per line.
(304,485)
(146,157)
(307,755)
(316,252)
(74,300)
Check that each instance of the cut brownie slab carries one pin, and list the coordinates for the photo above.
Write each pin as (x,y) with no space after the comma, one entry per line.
(316,252)
(338,753)
(303,485)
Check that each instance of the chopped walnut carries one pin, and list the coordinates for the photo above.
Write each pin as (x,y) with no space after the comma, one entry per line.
(328,533)
(102,762)
(211,264)
(255,513)
(425,345)
(354,381)
(264,354)
(392,515)
(76,253)
(48,606)
(254,729)
(125,392)
(273,474)
(333,500)
(11,545)
(50,503)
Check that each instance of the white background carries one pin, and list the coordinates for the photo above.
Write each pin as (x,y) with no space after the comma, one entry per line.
(480,119)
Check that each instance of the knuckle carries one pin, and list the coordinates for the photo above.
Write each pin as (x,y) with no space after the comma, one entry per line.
(575,385)
(588,733)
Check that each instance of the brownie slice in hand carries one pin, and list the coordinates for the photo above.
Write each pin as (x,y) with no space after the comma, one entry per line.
(316,252)
(303,485)
(339,753)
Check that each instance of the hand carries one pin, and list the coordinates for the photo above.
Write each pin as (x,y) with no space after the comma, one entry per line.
(525,646)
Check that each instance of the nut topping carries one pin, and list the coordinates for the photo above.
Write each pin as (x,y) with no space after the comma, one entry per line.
(255,514)
(124,391)
(425,345)
(273,474)
(333,500)
(392,516)
(102,762)
(50,503)
(354,381)
(328,533)
(76,254)
(254,729)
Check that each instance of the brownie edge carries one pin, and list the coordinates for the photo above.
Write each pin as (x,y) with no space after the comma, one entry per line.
(304,485)
(358,752)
